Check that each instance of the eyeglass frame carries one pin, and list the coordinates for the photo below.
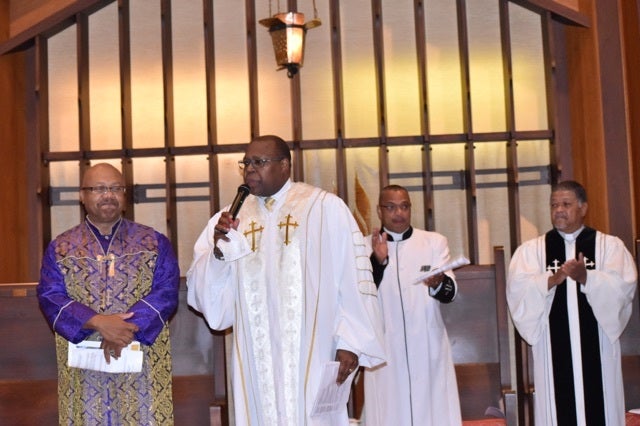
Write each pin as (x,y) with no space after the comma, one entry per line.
(258,163)
(103,189)
(391,208)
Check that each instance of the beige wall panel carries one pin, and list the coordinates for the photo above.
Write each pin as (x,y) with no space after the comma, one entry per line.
(232,73)
(529,86)
(401,69)
(63,92)
(151,171)
(190,90)
(316,79)
(104,79)
(360,97)
(485,67)
(192,215)
(147,97)
(320,169)
(443,67)
(449,205)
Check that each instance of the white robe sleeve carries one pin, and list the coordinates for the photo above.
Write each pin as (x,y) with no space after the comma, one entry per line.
(528,296)
(359,326)
(610,288)
(211,283)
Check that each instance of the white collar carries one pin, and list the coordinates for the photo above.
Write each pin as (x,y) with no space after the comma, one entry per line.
(572,236)
(281,192)
(397,236)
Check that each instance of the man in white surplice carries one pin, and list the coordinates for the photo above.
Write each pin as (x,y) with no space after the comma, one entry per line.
(417,385)
(294,280)
(570,294)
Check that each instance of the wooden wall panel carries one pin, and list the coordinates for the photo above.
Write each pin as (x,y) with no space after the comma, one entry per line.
(14,225)
(599,118)
(27,13)
(631,36)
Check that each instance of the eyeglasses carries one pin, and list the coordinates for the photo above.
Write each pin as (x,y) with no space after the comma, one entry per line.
(117,189)
(393,207)
(257,163)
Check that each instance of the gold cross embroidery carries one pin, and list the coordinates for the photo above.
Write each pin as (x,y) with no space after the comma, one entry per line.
(252,232)
(287,224)
(106,300)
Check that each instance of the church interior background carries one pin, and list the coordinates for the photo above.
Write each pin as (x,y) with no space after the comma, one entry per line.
(399,121)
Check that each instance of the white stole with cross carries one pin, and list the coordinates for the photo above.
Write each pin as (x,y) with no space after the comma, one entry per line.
(272,291)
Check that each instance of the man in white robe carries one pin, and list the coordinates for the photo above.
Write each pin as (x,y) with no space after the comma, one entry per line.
(573,312)
(417,385)
(292,276)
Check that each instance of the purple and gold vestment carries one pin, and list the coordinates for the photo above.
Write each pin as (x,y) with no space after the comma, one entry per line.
(134,271)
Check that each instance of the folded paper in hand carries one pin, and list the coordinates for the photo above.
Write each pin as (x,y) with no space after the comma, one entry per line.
(88,355)
(331,397)
(461,261)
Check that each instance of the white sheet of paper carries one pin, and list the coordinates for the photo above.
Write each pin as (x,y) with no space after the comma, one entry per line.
(331,396)
(88,355)
(456,263)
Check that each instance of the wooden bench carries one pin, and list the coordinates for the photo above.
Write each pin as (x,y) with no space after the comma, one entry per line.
(28,372)
(477,324)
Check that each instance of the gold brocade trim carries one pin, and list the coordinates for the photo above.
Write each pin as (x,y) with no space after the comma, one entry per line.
(315,313)
(240,366)
(92,397)
(277,397)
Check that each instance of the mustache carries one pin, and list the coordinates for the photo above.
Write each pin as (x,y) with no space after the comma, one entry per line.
(108,203)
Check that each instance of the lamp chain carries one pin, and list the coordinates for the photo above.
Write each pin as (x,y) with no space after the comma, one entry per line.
(315,9)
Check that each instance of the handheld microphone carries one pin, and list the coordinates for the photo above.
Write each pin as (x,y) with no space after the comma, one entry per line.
(243,191)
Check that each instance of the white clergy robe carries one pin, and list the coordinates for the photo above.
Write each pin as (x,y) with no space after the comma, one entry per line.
(609,290)
(296,286)
(417,385)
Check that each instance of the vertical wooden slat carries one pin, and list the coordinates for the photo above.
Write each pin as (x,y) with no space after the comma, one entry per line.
(338,98)
(220,407)
(555,81)
(378,56)
(470,167)
(513,194)
(124,52)
(169,123)
(42,132)
(84,116)
(212,121)
(423,89)
(252,63)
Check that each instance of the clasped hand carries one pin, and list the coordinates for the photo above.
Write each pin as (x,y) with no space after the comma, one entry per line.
(116,332)
(572,268)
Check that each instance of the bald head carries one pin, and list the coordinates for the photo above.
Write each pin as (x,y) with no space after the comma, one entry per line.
(101,170)
(103,195)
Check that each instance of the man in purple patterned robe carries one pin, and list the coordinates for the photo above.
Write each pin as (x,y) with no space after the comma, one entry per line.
(116,281)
